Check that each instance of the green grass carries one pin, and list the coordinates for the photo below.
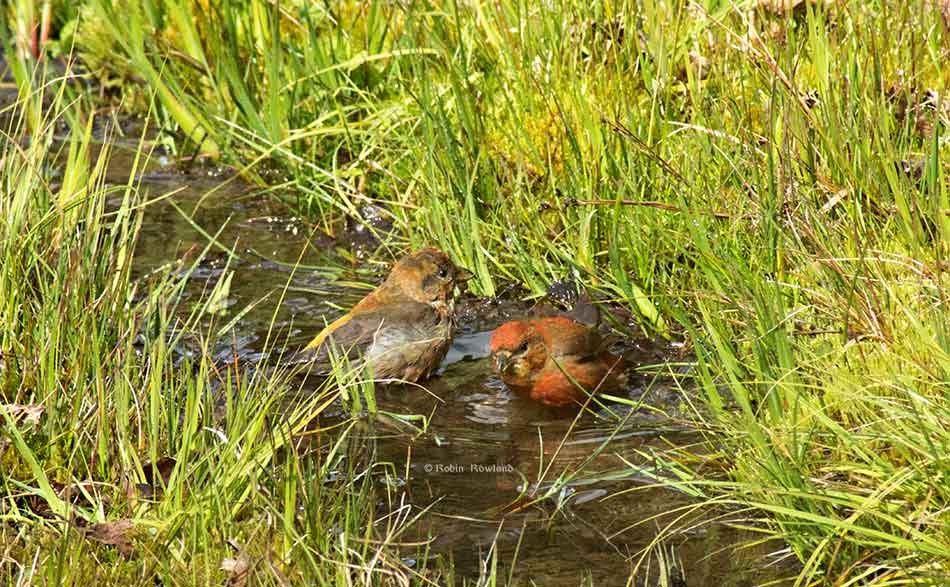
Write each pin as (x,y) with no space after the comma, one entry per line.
(731,174)
(127,473)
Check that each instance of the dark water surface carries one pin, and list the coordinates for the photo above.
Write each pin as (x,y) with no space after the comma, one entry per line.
(483,447)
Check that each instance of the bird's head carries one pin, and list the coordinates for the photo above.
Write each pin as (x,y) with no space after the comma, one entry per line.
(518,352)
(426,276)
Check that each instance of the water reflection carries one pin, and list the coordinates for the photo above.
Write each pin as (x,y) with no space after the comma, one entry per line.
(486,455)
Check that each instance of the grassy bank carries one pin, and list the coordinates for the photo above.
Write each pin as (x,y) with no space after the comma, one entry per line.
(769,185)
(116,466)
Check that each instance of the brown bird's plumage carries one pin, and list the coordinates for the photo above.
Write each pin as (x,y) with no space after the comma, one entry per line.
(556,361)
(403,328)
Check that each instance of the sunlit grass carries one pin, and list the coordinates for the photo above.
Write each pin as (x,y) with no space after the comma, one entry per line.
(769,186)
(125,460)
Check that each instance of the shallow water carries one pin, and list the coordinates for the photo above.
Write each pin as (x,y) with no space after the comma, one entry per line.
(485,451)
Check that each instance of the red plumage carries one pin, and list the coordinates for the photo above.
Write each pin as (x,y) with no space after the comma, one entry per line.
(555,360)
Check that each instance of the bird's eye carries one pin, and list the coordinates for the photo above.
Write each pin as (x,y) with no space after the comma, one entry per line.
(443,273)
(524,347)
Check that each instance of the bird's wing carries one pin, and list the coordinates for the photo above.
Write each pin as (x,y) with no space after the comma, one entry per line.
(327,331)
(587,346)
(567,337)
(353,332)
(584,311)
(347,335)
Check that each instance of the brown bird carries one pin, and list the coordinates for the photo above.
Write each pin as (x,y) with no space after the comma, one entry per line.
(404,327)
(556,360)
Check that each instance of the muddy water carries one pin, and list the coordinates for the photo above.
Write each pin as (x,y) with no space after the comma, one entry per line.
(484,452)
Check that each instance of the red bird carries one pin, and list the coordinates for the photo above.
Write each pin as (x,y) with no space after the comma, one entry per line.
(540,358)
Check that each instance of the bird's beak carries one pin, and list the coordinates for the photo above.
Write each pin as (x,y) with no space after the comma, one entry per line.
(463,275)
(502,361)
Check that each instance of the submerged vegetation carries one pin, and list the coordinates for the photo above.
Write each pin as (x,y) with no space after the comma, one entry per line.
(766,182)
